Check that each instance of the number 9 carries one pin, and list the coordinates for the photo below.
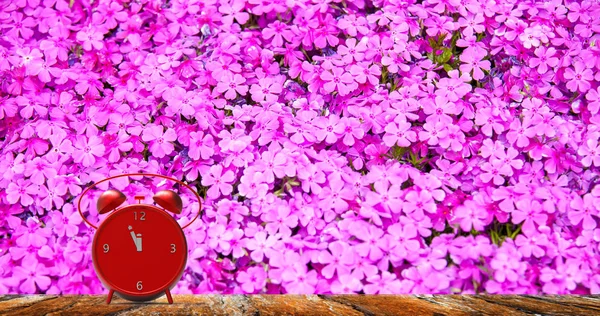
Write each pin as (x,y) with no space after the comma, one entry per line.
(106,248)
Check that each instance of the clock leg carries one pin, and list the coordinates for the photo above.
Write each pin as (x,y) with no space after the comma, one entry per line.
(110,295)
(169,298)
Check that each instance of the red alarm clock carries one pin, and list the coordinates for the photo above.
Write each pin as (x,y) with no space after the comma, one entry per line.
(139,251)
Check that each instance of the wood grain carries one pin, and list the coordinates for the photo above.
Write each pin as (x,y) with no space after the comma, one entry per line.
(304,305)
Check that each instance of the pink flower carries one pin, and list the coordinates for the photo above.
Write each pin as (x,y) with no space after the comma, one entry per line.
(253,279)
(234,10)
(20,27)
(433,132)
(579,77)
(219,181)
(363,72)
(267,90)
(21,190)
(544,59)
(219,237)
(201,145)
(160,140)
(280,220)
(91,37)
(473,61)
(590,151)
(340,258)
(276,32)
(232,84)
(338,80)
(11,166)
(87,149)
(32,273)
(353,51)
(261,245)
(253,185)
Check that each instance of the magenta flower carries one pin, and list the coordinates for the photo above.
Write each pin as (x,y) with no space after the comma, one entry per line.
(471,216)
(276,32)
(362,73)
(272,164)
(433,132)
(417,203)
(372,242)
(87,149)
(336,195)
(20,27)
(327,128)
(261,245)
(339,258)
(91,38)
(232,84)
(579,77)
(399,134)
(338,80)
(590,152)
(545,58)
(253,279)
(351,129)
(11,165)
(201,145)
(346,284)
(219,181)
(585,211)
(352,51)
(234,10)
(32,274)
(473,61)
(253,185)
(219,237)
(280,220)
(531,244)
(267,90)
(529,212)
(159,139)
(21,190)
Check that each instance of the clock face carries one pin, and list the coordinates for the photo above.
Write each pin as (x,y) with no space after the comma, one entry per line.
(139,250)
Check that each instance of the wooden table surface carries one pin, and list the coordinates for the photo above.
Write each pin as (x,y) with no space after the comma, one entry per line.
(304,305)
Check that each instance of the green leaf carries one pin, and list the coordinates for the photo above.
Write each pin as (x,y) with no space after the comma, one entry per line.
(448,68)
(432,43)
(445,56)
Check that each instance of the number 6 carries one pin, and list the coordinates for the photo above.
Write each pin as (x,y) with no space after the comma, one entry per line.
(139,285)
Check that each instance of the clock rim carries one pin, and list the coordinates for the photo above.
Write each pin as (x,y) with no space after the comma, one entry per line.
(139,296)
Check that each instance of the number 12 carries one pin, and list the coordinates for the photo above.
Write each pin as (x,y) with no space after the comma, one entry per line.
(142,216)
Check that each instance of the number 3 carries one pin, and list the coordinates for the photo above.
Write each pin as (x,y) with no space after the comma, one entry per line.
(139,285)
(172,248)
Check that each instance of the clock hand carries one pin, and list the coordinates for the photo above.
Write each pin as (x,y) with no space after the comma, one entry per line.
(136,240)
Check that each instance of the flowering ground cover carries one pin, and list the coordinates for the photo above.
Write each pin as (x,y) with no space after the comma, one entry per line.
(437,146)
